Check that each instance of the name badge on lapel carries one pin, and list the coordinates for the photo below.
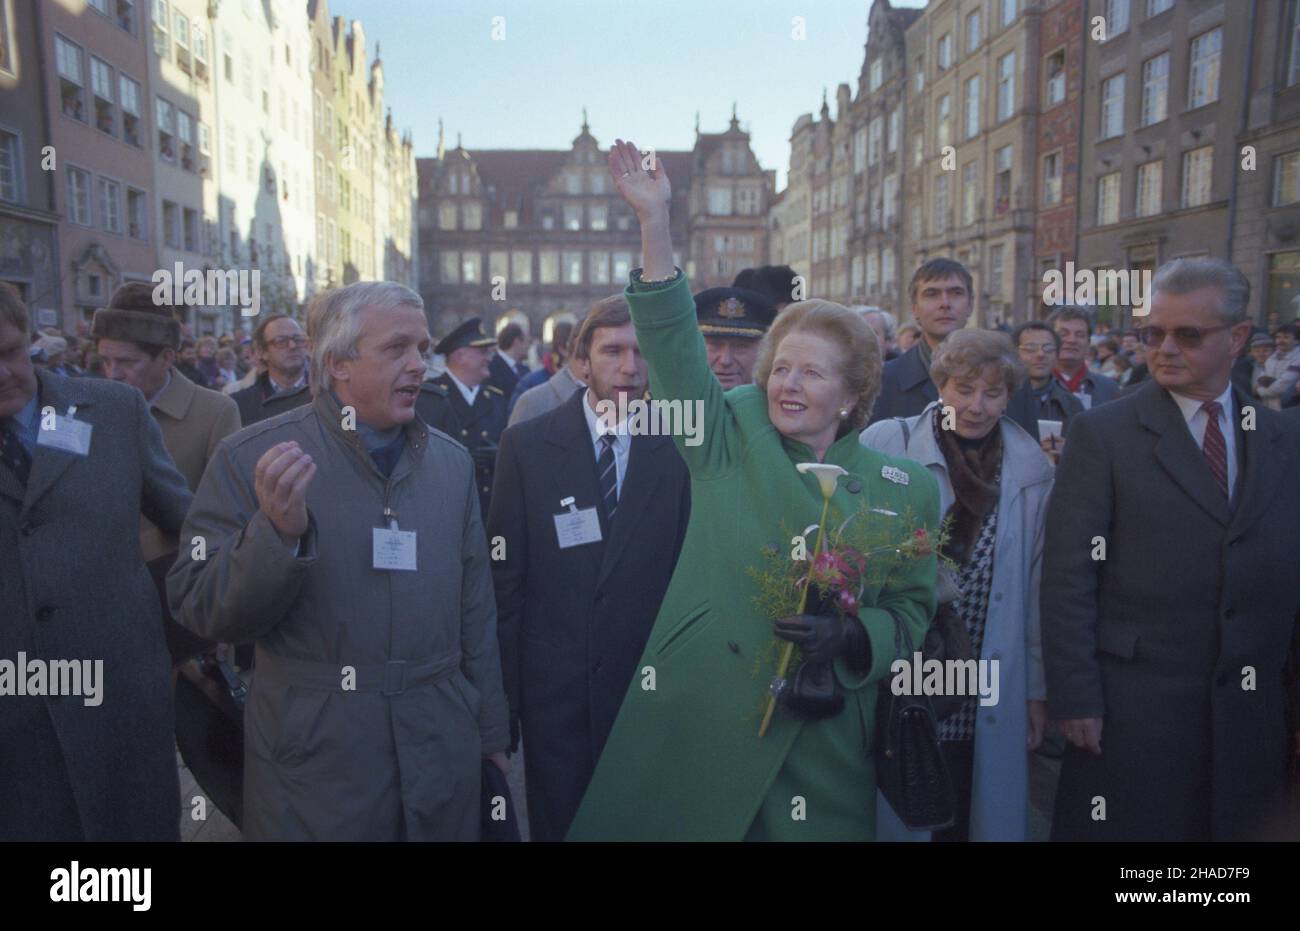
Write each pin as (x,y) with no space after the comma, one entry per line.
(574,527)
(895,475)
(65,433)
(394,549)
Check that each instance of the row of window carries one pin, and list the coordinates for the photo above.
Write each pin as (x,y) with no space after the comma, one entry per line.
(553,266)
(872,271)
(172,30)
(105,203)
(343,247)
(176,137)
(115,95)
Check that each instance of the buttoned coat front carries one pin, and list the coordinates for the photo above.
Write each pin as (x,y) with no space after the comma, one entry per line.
(395,752)
(1000,786)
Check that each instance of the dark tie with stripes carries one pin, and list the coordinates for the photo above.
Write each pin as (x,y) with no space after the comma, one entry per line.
(1214,447)
(14,454)
(607,469)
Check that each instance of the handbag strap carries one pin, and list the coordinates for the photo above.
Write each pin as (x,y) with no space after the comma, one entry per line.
(907,431)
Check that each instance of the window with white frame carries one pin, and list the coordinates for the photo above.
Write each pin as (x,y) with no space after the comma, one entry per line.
(165,117)
(1286,179)
(1108,199)
(510,219)
(918,149)
(1008,11)
(6,39)
(940,221)
(997,252)
(128,91)
(973,35)
(598,216)
(101,87)
(720,201)
(1116,17)
(890,197)
(161,29)
(1006,86)
(200,52)
(521,266)
(1052,179)
(943,52)
(450,271)
(1112,107)
(137,214)
(1150,178)
(472,215)
(891,135)
(918,73)
(876,74)
(548,261)
(572,182)
(471,267)
(598,266)
(447,216)
(171,218)
(1203,75)
(573,216)
(945,120)
(72,85)
(205,146)
(860,150)
(886,268)
(1198,165)
(855,275)
(109,197)
(747,201)
(1155,89)
(185,133)
(181,36)
(874,129)
(1156,7)
(972,106)
(571,262)
(1056,78)
(189,229)
(11,180)
(1002,180)
(622,265)
(969,192)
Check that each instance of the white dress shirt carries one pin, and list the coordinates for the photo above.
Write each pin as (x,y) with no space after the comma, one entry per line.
(466,392)
(1198,420)
(622,440)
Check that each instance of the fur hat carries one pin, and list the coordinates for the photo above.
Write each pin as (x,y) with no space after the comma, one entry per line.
(133,317)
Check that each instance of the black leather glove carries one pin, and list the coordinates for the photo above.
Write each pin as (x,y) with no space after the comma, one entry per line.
(821,638)
(811,693)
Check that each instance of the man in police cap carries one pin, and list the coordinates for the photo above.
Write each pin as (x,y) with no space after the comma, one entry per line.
(733,321)
(462,404)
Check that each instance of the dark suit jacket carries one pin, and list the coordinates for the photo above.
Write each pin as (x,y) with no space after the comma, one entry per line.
(261,400)
(1101,388)
(1026,409)
(73,586)
(503,374)
(573,622)
(1154,638)
(477,428)
(905,387)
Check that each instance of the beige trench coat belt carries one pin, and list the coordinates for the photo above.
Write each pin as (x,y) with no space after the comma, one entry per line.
(391,678)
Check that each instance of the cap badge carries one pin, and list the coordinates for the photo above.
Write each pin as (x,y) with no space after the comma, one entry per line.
(731,308)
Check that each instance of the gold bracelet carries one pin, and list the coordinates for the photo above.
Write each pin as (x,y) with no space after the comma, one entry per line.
(640,274)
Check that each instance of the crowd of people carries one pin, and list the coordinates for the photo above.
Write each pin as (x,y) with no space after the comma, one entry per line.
(1112,516)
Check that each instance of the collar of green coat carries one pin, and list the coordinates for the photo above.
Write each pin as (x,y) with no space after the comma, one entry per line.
(838,453)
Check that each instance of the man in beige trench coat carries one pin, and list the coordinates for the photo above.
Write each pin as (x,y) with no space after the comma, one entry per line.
(345,538)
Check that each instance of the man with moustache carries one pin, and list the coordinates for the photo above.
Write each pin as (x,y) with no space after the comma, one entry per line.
(941,292)
(349,547)
(469,408)
(593,520)
(733,321)
(80,461)
(1171,662)
(281,348)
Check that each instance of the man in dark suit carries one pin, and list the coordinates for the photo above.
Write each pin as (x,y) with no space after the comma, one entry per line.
(1074,327)
(507,365)
(80,460)
(573,615)
(475,412)
(281,346)
(941,303)
(1041,396)
(1170,599)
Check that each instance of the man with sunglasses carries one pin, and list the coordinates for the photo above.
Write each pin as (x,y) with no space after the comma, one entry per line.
(281,347)
(1169,593)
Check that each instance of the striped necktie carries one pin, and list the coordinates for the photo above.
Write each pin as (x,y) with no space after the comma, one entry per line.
(1214,446)
(607,469)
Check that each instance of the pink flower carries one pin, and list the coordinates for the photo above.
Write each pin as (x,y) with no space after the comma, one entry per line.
(920,544)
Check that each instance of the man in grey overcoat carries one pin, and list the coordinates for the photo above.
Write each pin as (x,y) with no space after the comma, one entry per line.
(80,460)
(345,538)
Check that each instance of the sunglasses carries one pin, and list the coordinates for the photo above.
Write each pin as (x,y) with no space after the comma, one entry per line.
(284,342)
(1187,337)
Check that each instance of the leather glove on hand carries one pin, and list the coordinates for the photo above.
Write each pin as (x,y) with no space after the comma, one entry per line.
(821,638)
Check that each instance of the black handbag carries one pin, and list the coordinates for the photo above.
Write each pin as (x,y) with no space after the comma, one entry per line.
(910,769)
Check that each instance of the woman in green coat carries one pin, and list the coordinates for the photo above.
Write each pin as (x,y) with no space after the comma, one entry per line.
(685,760)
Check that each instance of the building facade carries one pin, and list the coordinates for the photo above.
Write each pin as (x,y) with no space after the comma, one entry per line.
(1061,60)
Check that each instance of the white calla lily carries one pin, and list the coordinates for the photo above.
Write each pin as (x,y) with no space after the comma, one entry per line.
(827,475)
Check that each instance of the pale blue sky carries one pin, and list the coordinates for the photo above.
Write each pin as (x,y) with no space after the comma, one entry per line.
(641,67)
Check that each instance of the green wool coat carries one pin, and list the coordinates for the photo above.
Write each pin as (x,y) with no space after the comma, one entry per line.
(684,760)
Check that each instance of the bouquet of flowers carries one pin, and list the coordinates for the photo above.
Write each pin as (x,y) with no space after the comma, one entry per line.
(857,555)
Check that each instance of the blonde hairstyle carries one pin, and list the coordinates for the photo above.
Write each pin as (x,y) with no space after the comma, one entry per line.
(860,361)
(966,353)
